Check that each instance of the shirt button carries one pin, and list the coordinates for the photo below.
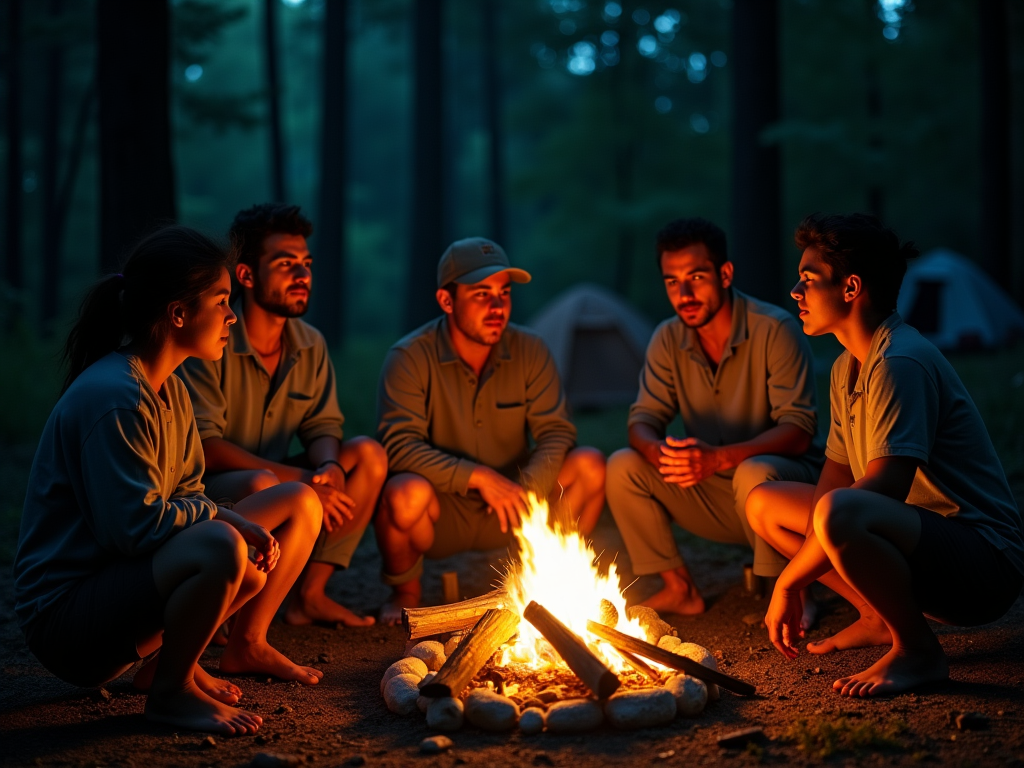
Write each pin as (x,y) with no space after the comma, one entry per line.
(269,414)
(479,423)
(472,381)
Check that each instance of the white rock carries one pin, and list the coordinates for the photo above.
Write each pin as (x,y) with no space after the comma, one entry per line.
(691,694)
(487,710)
(433,745)
(423,702)
(701,655)
(445,714)
(401,692)
(406,666)
(640,709)
(531,721)
(430,652)
(669,643)
(574,715)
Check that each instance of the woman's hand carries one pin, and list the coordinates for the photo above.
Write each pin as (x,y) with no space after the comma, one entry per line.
(783,620)
(268,551)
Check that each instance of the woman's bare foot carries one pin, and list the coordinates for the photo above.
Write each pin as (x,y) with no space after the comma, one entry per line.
(190,708)
(305,609)
(684,600)
(214,687)
(403,596)
(899,670)
(247,658)
(866,631)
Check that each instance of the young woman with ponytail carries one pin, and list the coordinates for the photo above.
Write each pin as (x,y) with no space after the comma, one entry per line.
(120,554)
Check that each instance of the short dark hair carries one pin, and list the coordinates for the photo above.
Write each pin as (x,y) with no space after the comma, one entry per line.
(680,233)
(254,225)
(859,244)
(451,287)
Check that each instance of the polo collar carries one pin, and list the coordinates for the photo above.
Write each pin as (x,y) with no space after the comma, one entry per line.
(879,342)
(446,351)
(240,344)
(738,331)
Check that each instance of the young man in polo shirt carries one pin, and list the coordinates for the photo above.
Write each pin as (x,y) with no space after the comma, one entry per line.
(912,516)
(274,383)
(458,402)
(740,374)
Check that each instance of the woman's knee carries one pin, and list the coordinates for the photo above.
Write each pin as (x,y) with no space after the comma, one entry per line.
(406,499)
(836,518)
(304,505)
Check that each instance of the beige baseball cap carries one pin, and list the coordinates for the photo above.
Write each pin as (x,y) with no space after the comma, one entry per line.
(474,259)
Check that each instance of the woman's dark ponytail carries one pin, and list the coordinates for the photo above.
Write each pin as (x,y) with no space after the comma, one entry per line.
(174,264)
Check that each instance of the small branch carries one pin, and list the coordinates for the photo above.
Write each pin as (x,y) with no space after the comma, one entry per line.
(581,660)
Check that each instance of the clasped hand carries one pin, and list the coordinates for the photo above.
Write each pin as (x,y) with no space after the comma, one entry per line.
(687,461)
(329,483)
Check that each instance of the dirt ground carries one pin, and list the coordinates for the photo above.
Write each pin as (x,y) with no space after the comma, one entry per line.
(343,721)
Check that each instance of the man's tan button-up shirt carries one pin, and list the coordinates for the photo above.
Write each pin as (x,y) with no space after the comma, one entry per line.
(236,399)
(765,378)
(437,420)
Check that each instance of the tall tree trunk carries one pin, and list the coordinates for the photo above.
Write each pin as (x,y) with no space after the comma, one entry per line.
(329,297)
(756,190)
(995,219)
(136,171)
(876,193)
(491,50)
(13,273)
(51,234)
(428,209)
(277,187)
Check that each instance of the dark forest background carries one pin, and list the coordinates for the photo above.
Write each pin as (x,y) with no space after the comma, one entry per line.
(568,130)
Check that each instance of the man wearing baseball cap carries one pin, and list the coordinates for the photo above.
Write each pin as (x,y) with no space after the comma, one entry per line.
(458,402)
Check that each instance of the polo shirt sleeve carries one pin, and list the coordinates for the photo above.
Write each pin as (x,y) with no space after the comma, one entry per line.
(547,417)
(122,480)
(903,410)
(657,402)
(203,380)
(403,425)
(835,446)
(791,378)
(323,418)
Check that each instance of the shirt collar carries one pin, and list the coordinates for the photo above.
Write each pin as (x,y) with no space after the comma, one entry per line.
(240,344)
(738,332)
(879,342)
(446,350)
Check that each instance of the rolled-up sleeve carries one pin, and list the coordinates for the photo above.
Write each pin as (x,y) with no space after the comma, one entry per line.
(403,427)
(203,380)
(791,378)
(656,402)
(323,419)
(122,479)
(547,417)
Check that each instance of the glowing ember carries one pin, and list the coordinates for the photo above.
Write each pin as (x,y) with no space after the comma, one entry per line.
(557,570)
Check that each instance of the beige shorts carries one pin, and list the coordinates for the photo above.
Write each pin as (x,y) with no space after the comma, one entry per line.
(465,524)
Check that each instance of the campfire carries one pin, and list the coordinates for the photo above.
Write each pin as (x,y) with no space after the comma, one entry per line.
(554,647)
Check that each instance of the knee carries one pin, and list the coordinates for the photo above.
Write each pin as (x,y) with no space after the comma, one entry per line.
(305,506)
(622,465)
(259,480)
(751,473)
(222,549)
(372,459)
(590,467)
(406,498)
(836,518)
(757,509)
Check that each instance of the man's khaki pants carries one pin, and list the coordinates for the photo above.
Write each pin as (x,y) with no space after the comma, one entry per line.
(644,506)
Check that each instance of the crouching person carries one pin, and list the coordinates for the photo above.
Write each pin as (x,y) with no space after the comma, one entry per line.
(458,402)
(120,553)
(912,516)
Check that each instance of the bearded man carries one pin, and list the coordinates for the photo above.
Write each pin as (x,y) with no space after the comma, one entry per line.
(740,374)
(458,403)
(275,382)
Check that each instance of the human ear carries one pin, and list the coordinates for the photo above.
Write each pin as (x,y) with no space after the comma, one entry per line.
(444,300)
(244,275)
(725,272)
(854,287)
(176,313)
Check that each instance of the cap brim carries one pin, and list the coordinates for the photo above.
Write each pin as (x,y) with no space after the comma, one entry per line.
(479,275)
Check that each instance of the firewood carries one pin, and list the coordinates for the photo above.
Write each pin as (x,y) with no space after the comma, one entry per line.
(639,665)
(426,622)
(671,660)
(492,630)
(580,659)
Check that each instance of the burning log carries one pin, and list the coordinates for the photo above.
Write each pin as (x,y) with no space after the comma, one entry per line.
(425,622)
(639,665)
(624,642)
(494,629)
(581,660)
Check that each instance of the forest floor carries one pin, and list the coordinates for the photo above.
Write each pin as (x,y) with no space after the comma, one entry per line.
(343,721)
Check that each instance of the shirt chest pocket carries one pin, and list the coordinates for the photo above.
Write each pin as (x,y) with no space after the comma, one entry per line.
(298,402)
(507,422)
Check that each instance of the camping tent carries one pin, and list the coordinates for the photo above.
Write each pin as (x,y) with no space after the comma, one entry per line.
(955,305)
(598,342)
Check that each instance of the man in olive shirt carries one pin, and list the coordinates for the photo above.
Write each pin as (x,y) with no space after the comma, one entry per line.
(740,374)
(274,383)
(459,400)
(912,516)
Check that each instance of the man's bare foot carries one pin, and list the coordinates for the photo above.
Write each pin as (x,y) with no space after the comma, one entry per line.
(215,688)
(403,596)
(810,615)
(899,670)
(190,708)
(866,631)
(247,658)
(305,609)
(684,600)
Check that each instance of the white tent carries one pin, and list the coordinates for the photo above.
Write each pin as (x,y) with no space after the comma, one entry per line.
(598,342)
(955,305)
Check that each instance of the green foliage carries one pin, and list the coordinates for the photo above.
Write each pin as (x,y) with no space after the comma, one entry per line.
(825,738)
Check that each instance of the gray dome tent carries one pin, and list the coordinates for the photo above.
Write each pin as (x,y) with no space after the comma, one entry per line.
(955,305)
(598,342)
